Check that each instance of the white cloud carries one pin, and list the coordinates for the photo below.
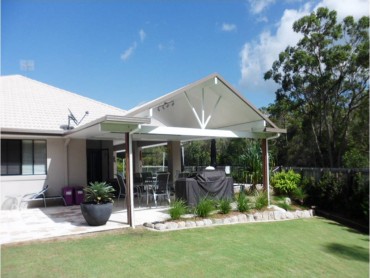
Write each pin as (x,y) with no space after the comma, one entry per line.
(356,8)
(228,27)
(128,52)
(142,35)
(257,6)
(256,57)
(170,45)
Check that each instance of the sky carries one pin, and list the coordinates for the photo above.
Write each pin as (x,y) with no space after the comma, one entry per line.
(125,53)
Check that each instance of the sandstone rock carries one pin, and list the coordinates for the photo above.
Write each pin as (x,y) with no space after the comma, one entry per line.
(190,224)
(289,215)
(171,225)
(226,221)
(160,226)
(218,221)
(306,214)
(257,216)
(234,219)
(199,223)
(287,201)
(207,222)
(181,224)
(250,218)
(242,218)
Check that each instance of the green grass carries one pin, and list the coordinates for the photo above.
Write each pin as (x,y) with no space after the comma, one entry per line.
(299,248)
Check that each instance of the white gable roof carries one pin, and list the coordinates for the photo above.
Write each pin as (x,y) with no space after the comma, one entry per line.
(29,105)
(210,107)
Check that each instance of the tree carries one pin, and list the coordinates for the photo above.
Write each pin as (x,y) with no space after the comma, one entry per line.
(324,80)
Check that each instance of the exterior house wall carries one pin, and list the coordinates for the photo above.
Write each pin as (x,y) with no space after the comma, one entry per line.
(77,168)
(57,177)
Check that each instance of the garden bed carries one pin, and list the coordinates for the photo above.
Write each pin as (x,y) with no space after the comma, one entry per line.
(231,218)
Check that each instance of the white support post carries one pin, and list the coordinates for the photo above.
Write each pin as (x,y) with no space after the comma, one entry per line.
(131,181)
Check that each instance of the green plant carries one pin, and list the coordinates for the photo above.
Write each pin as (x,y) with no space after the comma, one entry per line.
(204,207)
(225,206)
(252,158)
(299,194)
(242,202)
(99,193)
(177,209)
(284,206)
(285,182)
(261,200)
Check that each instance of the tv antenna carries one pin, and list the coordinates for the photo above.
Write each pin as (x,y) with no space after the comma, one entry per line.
(73,118)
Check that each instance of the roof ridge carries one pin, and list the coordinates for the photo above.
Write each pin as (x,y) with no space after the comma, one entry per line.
(65,91)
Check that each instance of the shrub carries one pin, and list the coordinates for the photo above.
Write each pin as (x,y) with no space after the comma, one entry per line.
(204,208)
(225,206)
(99,193)
(177,209)
(299,194)
(242,202)
(261,200)
(284,206)
(285,182)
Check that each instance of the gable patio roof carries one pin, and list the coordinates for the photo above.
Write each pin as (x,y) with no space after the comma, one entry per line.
(208,108)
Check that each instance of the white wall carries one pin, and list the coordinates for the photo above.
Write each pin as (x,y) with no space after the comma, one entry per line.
(57,176)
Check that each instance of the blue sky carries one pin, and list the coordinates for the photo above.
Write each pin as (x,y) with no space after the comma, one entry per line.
(125,53)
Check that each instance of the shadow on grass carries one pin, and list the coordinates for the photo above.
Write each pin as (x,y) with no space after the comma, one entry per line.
(349,252)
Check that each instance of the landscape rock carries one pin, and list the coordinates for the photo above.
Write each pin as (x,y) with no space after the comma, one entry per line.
(242,218)
(160,226)
(199,223)
(190,224)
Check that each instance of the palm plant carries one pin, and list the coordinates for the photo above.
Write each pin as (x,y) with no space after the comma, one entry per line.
(99,193)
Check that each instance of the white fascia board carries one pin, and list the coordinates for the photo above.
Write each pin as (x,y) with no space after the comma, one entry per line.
(188,132)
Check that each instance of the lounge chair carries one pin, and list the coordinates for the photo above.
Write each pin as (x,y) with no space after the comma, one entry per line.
(41,195)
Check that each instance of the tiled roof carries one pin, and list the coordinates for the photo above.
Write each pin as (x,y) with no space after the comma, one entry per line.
(27,104)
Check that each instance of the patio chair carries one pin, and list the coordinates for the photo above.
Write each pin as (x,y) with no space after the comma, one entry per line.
(122,189)
(161,188)
(41,195)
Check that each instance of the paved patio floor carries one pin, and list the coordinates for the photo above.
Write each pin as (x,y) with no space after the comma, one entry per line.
(46,223)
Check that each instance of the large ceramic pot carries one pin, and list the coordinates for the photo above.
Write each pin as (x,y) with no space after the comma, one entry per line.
(96,214)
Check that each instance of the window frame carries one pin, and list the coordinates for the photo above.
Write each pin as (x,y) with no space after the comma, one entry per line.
(5,152)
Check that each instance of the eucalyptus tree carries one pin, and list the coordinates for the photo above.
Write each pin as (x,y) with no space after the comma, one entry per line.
(324,82)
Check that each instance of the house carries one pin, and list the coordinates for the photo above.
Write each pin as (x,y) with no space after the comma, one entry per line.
(55,137)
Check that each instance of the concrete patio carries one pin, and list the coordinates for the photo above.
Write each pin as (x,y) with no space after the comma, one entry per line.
(50,222)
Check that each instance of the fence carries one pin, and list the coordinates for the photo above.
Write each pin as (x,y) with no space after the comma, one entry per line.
(348,175)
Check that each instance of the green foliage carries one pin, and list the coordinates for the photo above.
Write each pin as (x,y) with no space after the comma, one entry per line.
(252,159)
(299,194)
(356,158)
(327,192)
(225,206)
(154,156)
(284,205)
(99,193)
(261,200)
(177,209)
(204,207)
(242,202)
(285,182)
(197,153)
(323,90)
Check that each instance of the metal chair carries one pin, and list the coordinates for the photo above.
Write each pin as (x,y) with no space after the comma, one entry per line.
(41,195)
(160,188)
(122,189)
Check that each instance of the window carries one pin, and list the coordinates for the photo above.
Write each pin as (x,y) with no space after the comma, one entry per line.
(23,157)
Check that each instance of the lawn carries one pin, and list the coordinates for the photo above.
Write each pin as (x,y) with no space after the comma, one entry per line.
(299,248)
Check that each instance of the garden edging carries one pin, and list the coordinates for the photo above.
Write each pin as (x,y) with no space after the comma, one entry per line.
(265,216)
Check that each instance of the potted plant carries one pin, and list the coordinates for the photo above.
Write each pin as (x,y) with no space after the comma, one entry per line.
(98,203)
